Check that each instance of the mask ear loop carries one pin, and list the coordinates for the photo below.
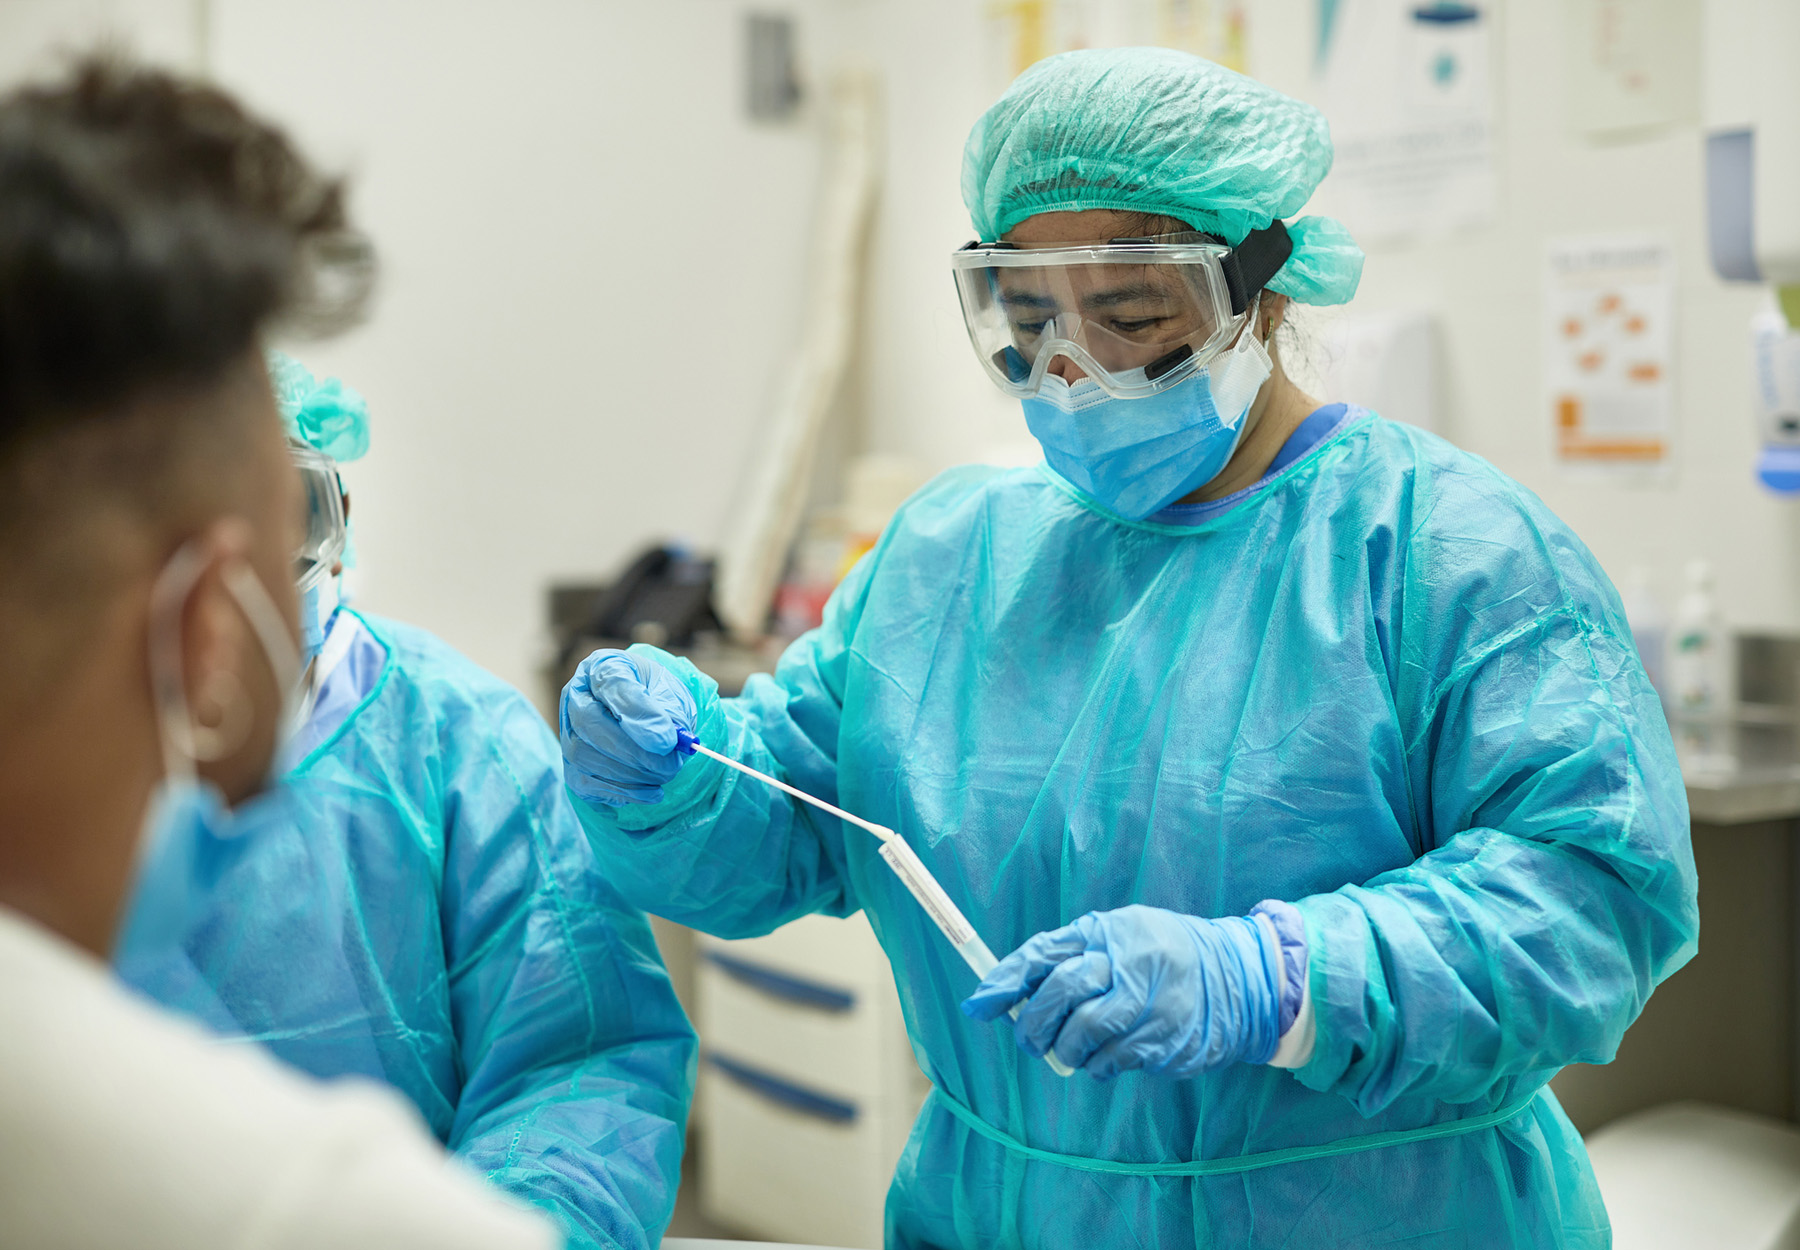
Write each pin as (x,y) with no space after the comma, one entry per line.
(184,743)
(265,618)
(168,683)
(1245,347)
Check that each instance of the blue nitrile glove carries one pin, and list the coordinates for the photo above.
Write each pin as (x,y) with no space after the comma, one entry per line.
(618,722)
(1142,987)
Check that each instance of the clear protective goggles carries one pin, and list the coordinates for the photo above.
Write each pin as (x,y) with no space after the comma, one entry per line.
(1136,315)
(322,503)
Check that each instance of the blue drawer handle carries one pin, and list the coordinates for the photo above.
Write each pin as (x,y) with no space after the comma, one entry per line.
(779,1090)
(783,985)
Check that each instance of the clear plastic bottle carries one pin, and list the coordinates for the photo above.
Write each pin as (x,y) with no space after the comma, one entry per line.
(1701,675)
(1649,621)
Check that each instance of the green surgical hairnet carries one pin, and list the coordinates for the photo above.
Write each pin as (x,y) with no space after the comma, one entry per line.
(1150,130)
(327,416)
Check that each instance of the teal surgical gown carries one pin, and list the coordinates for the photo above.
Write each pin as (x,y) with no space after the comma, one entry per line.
(419,905)
(1388,687)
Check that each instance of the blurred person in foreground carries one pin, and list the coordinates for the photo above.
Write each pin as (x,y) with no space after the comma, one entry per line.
(422,906)
(150,231)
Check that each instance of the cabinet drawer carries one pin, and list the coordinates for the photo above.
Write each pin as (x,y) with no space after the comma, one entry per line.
(824,1036)
(838,952)
(784,1159)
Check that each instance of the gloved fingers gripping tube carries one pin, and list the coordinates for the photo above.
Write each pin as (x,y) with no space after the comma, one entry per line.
(950,921)
(1144,987)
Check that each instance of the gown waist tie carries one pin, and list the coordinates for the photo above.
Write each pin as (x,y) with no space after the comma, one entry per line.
(1238,1163)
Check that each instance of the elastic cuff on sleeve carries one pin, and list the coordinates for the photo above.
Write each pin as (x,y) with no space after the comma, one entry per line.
(1290,929)
(1296,1046)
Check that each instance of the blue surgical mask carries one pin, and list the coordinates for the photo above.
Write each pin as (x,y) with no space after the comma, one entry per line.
(317,604)
(178,854)
(187,818)
(1137,456)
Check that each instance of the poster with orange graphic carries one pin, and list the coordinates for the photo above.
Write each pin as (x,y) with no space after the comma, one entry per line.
(1609,310)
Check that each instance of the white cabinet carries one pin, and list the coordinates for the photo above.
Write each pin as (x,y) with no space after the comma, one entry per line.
(808,1086)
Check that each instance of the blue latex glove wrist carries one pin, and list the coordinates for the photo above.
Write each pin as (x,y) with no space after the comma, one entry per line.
(618,724)
(1142,987)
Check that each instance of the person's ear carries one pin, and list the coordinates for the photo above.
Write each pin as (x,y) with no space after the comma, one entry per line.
(215,646)
(337,569)
(1271,312)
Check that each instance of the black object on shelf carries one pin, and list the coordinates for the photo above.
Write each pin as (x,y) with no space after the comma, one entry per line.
(663,597)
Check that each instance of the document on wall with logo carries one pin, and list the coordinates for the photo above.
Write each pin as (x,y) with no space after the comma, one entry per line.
(1609,315)
(1408,92)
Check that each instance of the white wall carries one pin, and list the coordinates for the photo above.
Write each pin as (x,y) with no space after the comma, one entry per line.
(928,396)
(593,266)
(36,35)
(591,269)
(1488,284)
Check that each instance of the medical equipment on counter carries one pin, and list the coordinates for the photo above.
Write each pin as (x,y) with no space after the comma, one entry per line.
(1699,666)
(1649,622)
(1702,677)
(906,865)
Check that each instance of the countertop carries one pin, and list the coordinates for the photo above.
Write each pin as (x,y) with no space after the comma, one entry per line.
(1747,772)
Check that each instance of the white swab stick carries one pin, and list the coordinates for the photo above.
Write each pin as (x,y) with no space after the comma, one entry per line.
(909,868)
(880,831)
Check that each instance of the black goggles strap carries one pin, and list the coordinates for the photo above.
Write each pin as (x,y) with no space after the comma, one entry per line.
(1249,266)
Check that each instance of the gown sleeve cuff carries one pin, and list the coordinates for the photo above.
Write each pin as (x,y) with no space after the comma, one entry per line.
(1295,1044)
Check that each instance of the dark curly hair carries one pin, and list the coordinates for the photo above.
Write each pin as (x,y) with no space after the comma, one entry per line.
(150,228)
(152,231)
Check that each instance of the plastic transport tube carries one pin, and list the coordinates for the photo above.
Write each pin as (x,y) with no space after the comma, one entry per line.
(906,865)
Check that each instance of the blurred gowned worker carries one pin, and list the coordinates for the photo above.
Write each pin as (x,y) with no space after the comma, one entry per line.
(150,231)
(1304,759)
(441,924)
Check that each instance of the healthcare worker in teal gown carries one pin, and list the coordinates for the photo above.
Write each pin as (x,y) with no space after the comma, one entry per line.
(1302,761)
(418,904)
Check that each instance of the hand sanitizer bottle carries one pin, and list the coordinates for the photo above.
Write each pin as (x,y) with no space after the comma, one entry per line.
(1701,675)
(1649,622)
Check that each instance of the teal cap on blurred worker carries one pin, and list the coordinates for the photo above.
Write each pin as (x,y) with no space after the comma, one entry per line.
(326,415)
